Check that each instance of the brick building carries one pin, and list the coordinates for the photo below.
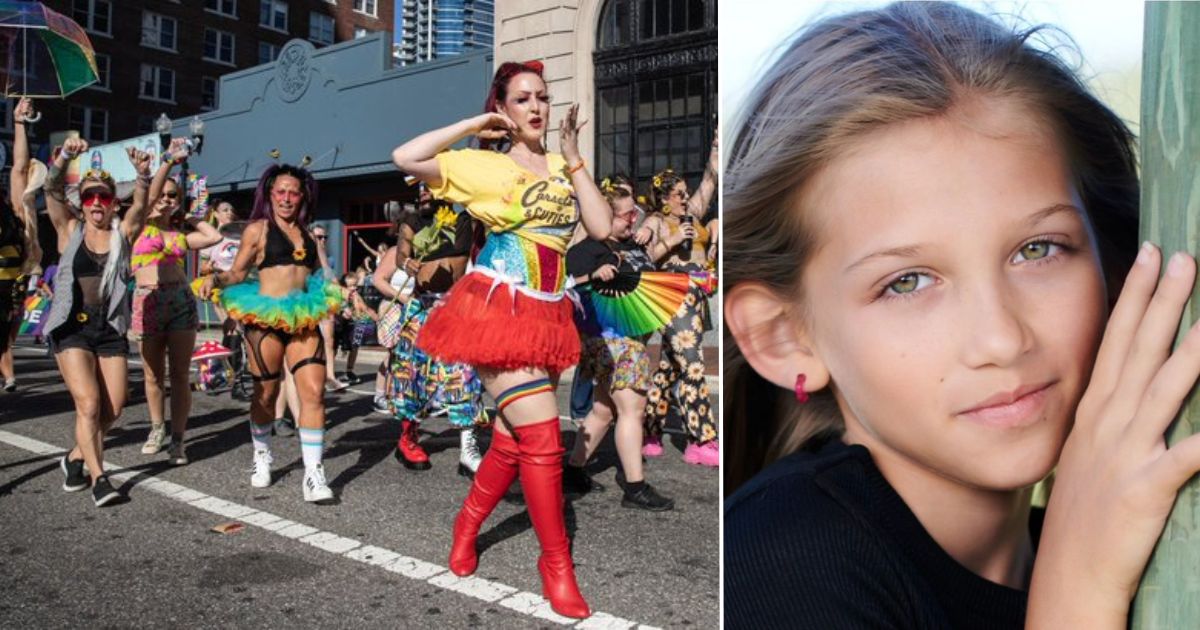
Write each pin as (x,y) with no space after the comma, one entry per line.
(159,56)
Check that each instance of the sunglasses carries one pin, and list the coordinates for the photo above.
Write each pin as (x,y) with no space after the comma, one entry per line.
(286,194)
(171,195)
(91,197)
(319,237)
(682,194)
(628,217)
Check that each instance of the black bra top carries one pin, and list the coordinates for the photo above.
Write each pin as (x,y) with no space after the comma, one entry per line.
(281,251)
(88,264)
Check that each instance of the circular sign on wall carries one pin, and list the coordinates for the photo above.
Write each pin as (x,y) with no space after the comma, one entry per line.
(293,69)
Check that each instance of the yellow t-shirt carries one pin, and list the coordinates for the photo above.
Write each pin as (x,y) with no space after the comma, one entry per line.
(508,198)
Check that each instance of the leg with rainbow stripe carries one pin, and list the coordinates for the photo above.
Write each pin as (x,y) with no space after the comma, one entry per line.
(526,443)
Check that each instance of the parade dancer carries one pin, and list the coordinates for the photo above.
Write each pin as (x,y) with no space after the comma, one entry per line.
(165,318)
(20,253)
(280,312)
(508,315)
(679,380)
(434,246)
(615,362)
(89,316)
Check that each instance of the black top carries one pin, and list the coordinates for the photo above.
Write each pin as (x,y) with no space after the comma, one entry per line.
(464,230)
(821,540)
(89,272)
(281,251)
(12,239)
(589,255)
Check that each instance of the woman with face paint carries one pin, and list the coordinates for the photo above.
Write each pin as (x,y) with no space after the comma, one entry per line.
(507,316)
(90,314)
(280,311)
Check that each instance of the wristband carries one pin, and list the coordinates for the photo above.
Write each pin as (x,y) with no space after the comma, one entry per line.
(571,170)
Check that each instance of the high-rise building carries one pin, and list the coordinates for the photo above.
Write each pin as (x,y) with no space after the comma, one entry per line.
(433,29)
(156,56)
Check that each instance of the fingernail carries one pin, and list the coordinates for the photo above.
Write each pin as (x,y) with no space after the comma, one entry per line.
(1175,268)
(1144,254)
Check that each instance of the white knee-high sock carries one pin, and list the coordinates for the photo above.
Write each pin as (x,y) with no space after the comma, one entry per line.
(312,446)
(260,434)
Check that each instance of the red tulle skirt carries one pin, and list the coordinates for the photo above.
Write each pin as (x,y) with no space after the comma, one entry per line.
(506,332)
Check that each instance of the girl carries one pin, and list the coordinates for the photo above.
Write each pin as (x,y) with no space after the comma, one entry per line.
(89,316)
(165,318)
(507,316)
(927,220)
(679,380)
(280,311)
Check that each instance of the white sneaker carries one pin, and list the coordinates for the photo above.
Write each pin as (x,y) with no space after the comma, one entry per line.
(156,440)
(468,450)
(316,490)
(262,469)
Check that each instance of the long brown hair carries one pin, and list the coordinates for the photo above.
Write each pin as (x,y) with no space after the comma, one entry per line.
(844,77)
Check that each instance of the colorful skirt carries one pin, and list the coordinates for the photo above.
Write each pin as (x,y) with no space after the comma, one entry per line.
(497,327)
(297,311)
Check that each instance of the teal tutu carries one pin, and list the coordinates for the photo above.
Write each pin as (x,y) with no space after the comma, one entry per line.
(294,312)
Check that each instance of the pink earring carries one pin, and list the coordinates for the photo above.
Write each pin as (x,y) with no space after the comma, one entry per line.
(801,395)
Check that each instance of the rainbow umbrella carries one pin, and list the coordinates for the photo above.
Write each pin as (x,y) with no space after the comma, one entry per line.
(43,54)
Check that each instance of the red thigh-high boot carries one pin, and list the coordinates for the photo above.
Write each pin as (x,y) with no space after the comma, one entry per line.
(496,473)
(541,450)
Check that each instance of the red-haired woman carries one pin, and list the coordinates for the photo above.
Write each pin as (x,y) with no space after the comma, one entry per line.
(508,316)
(280,312)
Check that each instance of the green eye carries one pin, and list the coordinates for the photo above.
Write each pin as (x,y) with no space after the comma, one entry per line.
(906,283)
(1035,250)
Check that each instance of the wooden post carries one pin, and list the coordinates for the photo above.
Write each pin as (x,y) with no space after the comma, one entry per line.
(1169,595)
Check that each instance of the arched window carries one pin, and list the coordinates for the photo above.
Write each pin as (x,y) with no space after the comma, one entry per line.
(656,85)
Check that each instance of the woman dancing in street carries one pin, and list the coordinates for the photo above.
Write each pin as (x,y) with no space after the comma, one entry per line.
(280,312)
(616,363)
(508,316)
(89,316)
(679,381)
(165,318)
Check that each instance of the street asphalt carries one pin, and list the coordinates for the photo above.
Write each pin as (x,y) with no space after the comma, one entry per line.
(375,560)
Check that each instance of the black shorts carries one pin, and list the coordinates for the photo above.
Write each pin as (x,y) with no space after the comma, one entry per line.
(93,334)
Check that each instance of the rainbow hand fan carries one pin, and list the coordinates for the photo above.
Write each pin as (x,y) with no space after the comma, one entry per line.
(706,280)
(636,303)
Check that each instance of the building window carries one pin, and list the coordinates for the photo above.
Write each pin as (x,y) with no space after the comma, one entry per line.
(158,83)
(655,107)
(158,31)
(145,124)
(218,46)
(267,52)
(93,15)
(359,32)
(273,14)
(91,122)
(367,7)
(102,64)
(320,28)
(5,120)
(208,93)
(222,7)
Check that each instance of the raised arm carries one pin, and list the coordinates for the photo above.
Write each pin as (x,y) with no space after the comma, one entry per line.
(417,157)
(251,245)
(595,213)
(698,204)
(374,252)
(56,190)
(381,279)
(203,234)
(19,181)
(135,218)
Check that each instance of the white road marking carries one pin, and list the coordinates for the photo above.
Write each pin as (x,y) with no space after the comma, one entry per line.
(488,591)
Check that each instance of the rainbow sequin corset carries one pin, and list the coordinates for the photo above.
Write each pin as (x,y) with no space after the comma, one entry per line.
(534,269)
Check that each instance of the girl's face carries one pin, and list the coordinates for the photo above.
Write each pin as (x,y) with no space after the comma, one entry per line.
(625,215)
(528,105)
(956,296)
(167,203)
(98,204)
(286,196)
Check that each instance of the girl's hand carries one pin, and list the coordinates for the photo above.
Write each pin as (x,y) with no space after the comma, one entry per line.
(177,151)
(206,287)
(1116,479)
(493,126)
(686,231)
(73,147)
(568,135)
(412,266)
(140,160)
